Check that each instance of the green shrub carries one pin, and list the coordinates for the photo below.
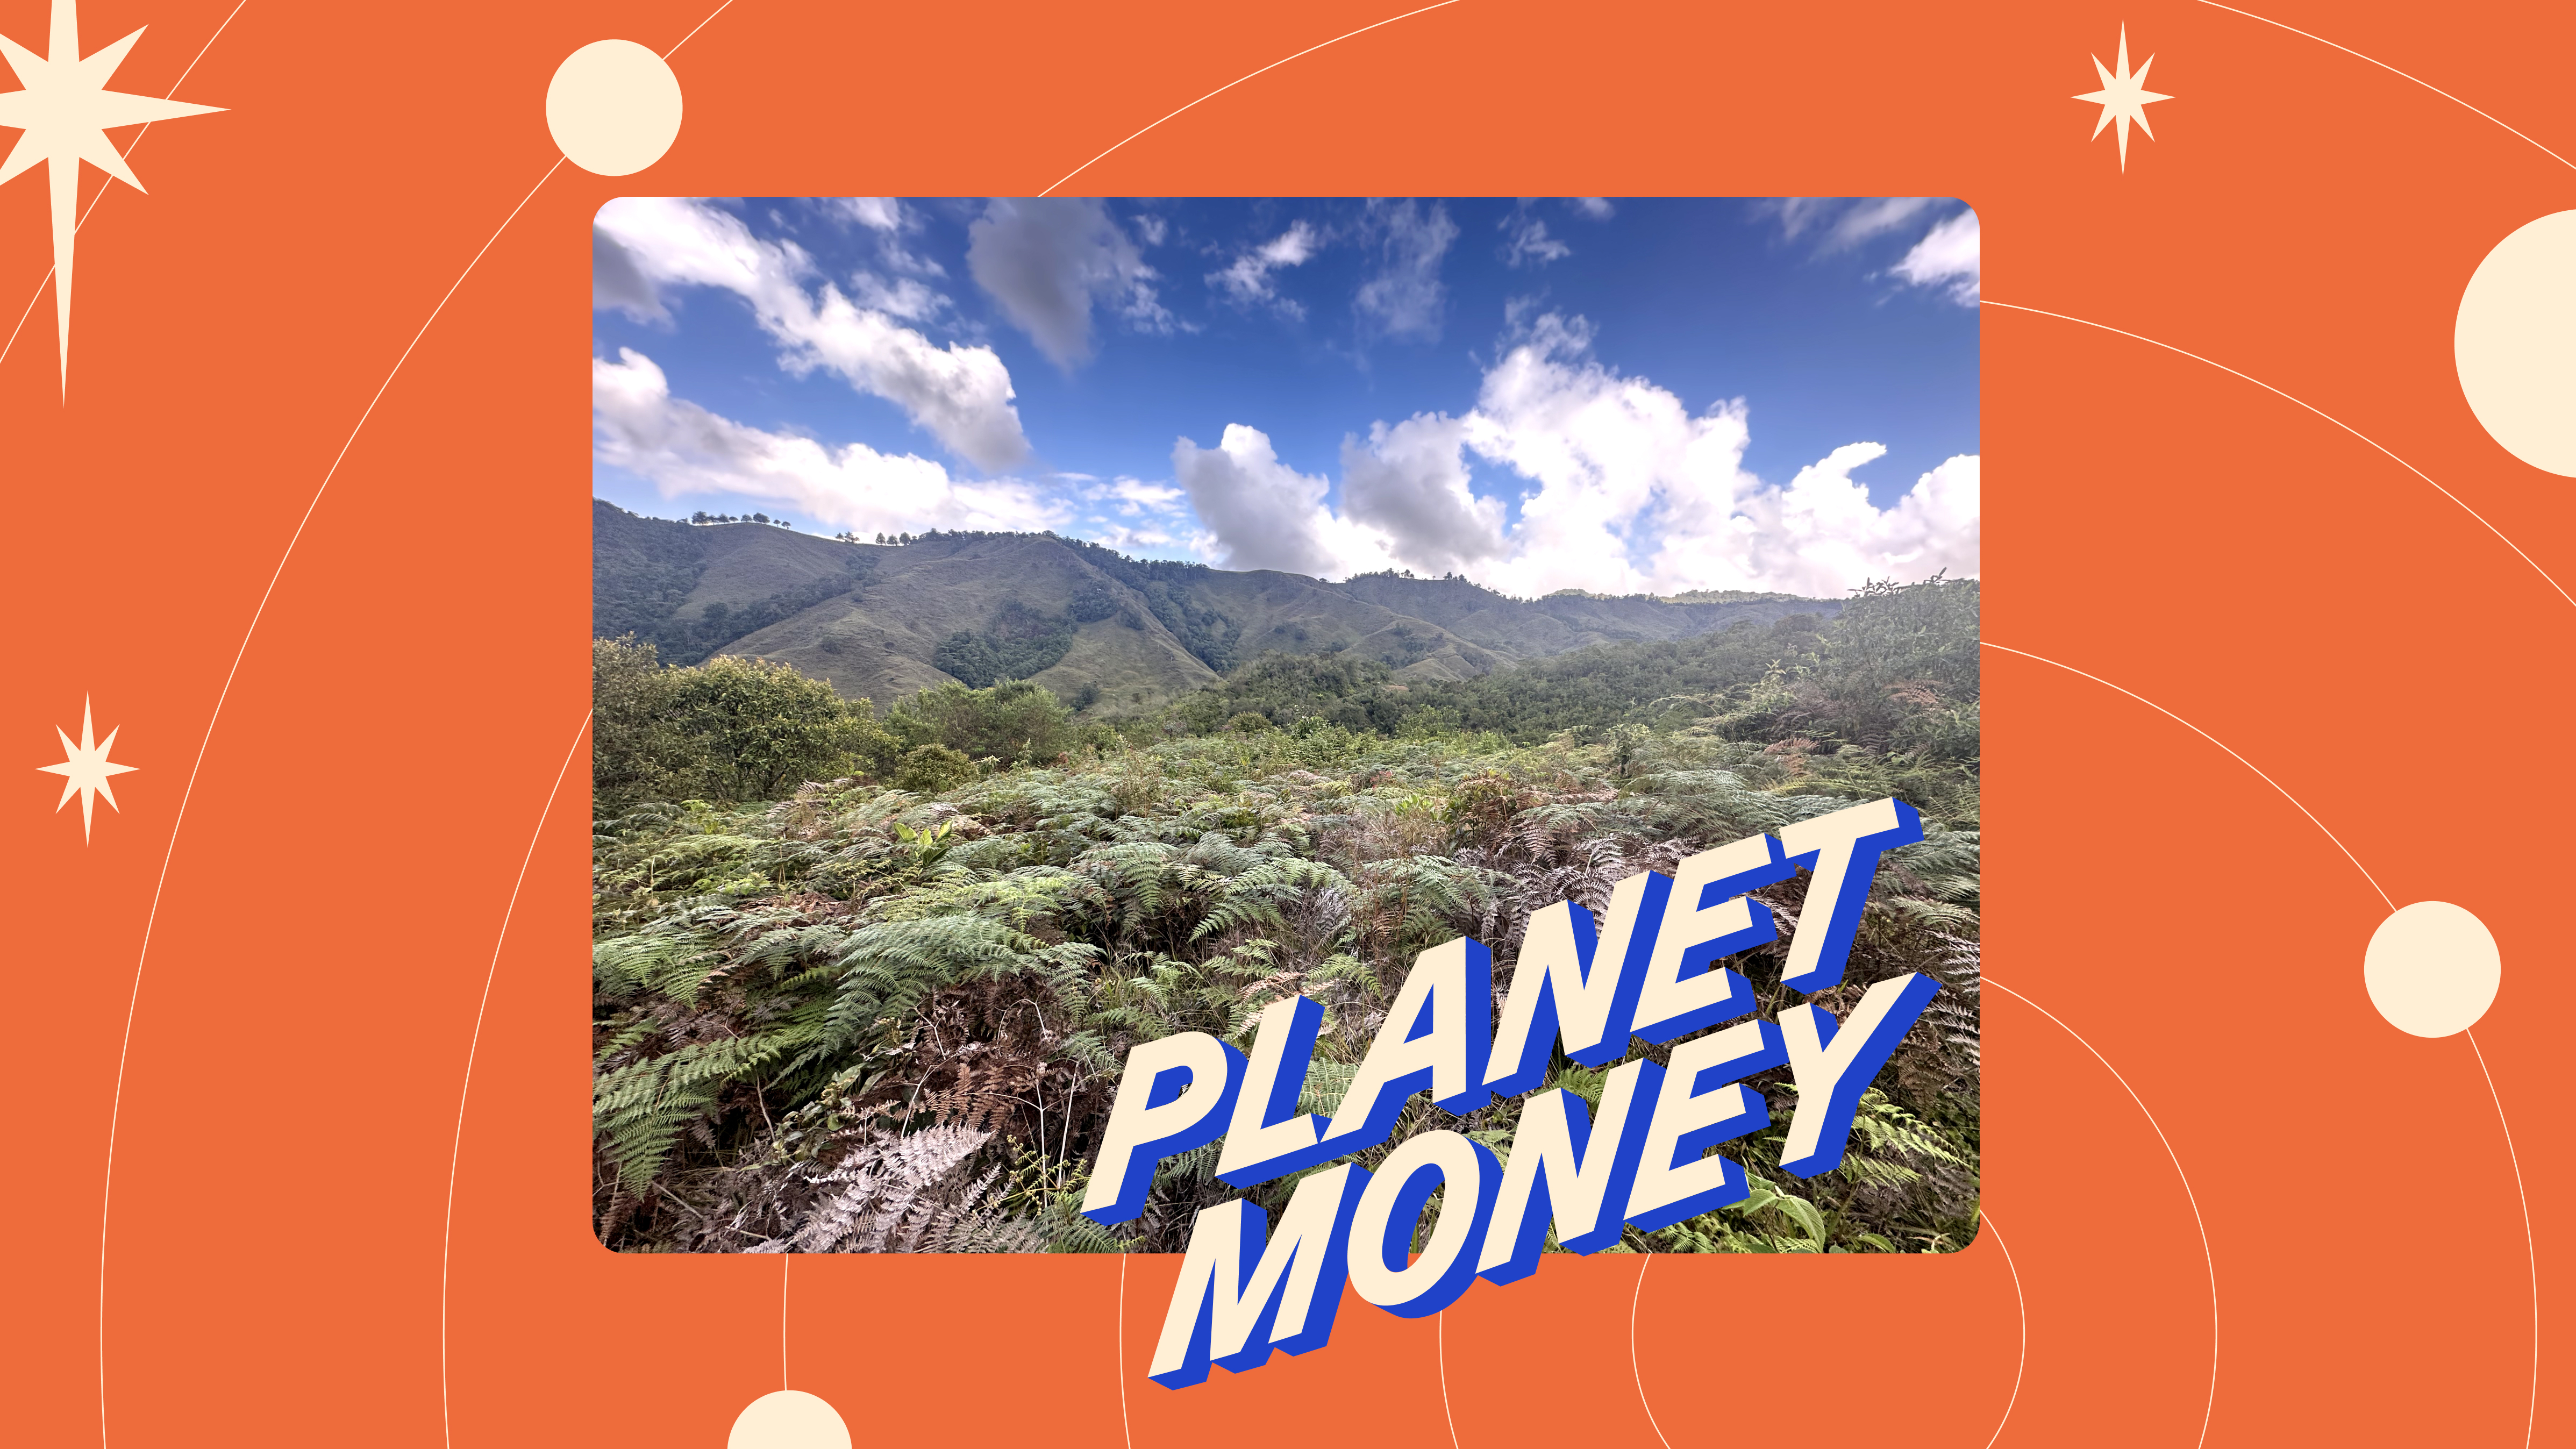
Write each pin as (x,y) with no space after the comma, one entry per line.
(933,770)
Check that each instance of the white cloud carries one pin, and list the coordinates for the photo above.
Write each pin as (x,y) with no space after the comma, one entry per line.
(1046,260)
(1843,222)
(1409,483)
(961,395)
(1132,497)
(1403,298)
(682,449)
(878,213)
(1947,256)
(1248,282)
(904,297)
(1530,245)
(1593,207)
(1135,540)
(1625,491)
(890,219)
(1262,514)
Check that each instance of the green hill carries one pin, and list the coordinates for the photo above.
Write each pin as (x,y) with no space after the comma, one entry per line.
(885,621)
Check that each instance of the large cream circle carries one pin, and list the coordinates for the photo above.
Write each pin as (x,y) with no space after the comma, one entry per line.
(614,107)
(2515,343)
(2432,969)
(788,1419)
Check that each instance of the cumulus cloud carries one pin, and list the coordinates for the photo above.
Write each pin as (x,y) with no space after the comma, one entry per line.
(1621,489)
(1048,259)
(1248,282)
(683,449)
(1947,257)
(960,395)
(1410,485)
(1404,296)
(1262,514)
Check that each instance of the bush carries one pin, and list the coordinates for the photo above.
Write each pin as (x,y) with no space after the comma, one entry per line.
(725,731)
(1014,720)
(933,770)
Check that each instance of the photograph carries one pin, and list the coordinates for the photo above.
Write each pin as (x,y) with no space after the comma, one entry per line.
(1025,630)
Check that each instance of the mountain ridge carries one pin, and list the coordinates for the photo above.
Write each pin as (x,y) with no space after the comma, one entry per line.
(881,621)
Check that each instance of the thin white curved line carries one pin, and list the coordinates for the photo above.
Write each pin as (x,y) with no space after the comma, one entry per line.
(2213,739)
(1118,1352)
(2021,1303)
(117,1101)
(1639,1373)
(2207,1258)
(104,188)
(2530,1252)
(693,30)
(2392,70)
(456,1148)
(2320,412)
(1440,1333)
(1238,80)
(785,1261)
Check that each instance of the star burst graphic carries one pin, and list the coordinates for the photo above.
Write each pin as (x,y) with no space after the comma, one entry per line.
(86,769)
(2123,97)
(65,113)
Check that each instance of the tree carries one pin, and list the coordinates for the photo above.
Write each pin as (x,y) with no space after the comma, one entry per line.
(1014,720)
(728,730)
(933,770)
(637,752)
(766,728)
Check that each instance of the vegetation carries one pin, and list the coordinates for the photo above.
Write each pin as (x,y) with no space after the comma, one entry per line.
(865,983)
(876,617)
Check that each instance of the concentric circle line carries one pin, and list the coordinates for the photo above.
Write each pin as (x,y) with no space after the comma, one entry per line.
(105,187)
(1238,80)
(2531,1252)
(2392,70)
(456,1148)
(2320,412)
(2213,739)
(1118,1356)
(2020,1304)
(1440,1336)
(2207,1258)
(693,30)
(116,1101)
(1633,1368)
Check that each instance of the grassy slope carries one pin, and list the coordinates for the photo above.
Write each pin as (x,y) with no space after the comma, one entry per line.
(878,640)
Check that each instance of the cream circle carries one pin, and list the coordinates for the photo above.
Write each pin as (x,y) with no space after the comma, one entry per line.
(614,107)
(2515,343)
(788,1419)
(2432,969)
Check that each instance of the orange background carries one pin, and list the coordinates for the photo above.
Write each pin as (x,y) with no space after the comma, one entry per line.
(374,769)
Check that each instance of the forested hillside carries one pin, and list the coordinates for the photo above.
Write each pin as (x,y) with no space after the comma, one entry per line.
(864,978)
(1110,633)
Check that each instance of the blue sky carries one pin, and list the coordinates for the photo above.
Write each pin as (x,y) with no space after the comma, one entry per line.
(1619,395)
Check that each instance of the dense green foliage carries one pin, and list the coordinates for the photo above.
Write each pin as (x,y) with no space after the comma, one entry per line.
(1022,641)
(885,1007)
(728,731)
